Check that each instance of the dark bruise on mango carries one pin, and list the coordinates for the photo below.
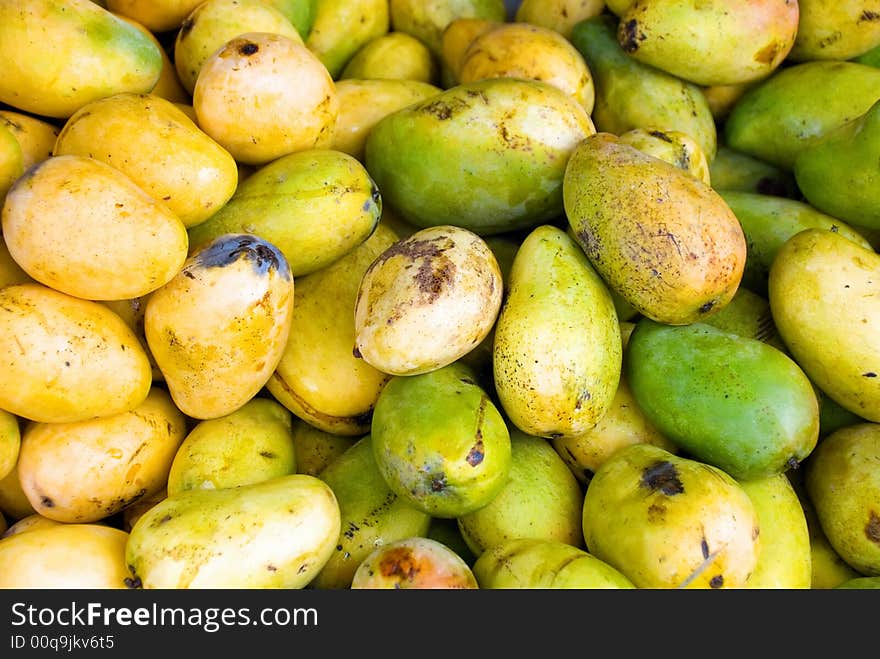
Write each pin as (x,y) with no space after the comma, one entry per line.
(868,15)
(401,563)
(249,48)
(662,476)
(768,53)
(630,36)
(226,250)
(872,528)
(436,271)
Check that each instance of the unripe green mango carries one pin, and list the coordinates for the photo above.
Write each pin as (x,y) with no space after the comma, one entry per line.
(740,172)
(314,205)
(768,221)
(630,94)
(822,290)
(720,45)
(252,444)
(541,499)
(797,105)
(371,514)
(440,442)
(839,175)
(535,563)
(277,533)
(93,54)
(785,559)
(730,401)
(843,484)
(557,348)
(488,156)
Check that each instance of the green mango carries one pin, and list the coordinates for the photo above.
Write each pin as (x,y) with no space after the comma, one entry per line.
(833,415)
(630,94)
(731,401)
(440,442)
(277,533)
(839,175)
(342,27)
(721,45)
(93,54)
(372,515)
(797,105)
(315,206)
(662,239)
(557,350)
(301,13)
(860,583)
(871,57)
(254,443)
(669,521)
(520,563)
(541,499)
(768,221)
(843,484)
(477,155)
(740,172)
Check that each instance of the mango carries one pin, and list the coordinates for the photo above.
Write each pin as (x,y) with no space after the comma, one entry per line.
(314,205)
(558,15)
(13,502)
(673,146)
(668,521)
(426,19)
(10,442)
(733,170)
(276,533)
(666,242)
(821,290)
(731,401)
(372,515)
(340,28)
(477,156)
(252,444)
(155,15)
(36,137)
(11,160)
(414,563)
(839,30)
(440,442)
(315,448)
(31,522)
(748,314)
(557,350)
(394,56)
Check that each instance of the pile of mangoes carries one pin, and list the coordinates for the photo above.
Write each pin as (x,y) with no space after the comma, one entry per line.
(337,294)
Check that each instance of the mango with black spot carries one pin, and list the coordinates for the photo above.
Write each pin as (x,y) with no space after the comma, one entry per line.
(414,563)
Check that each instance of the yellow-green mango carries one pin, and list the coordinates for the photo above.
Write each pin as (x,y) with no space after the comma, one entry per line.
(316,448)
(478,155)
(31,522)
(36,137)
(13,501)
(426,19)
(440,442)
(340,28)
(214,22)
(785,559)
(522,563)
(393,55)
(10,442)
(748,314)
(455,39)
(860,583)
(822,294)
(11,160)
(839,30)
(838,174)
(159,147)
(168,86)
(67,359)
(731,401)
(721,46)
(559,15)
(669,521)
(739,172)
(94,54)
(277,533)
(797,105)
(768,221)
(86,471)
(843,484)
(254,443)
(218,329)
(299,12)
(541,499)
(630,94)
(413,563)
(156,15)
(666,242)
(557,349)
(65,556)
(314,205)
(318,377)
(673,146)
(372,515)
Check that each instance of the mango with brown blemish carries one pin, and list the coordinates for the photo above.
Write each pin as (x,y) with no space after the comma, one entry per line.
(440,442)
(668,521)
(414,563)
(673,146)
(839,30)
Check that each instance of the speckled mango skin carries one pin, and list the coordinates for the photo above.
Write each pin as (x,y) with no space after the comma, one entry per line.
(372,515)
(414,563)
(440,442)
(822,293)
(488,156)
(93,54)
(838,30)
(731,401)
(276,533)
(666,242)
(673,146)
(667,521)
(67,359)
(557,349)
(86,471)
(218,328)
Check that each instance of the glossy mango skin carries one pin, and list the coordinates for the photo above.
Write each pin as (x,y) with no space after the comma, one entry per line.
(488,156)
(40,81)
(730,401)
